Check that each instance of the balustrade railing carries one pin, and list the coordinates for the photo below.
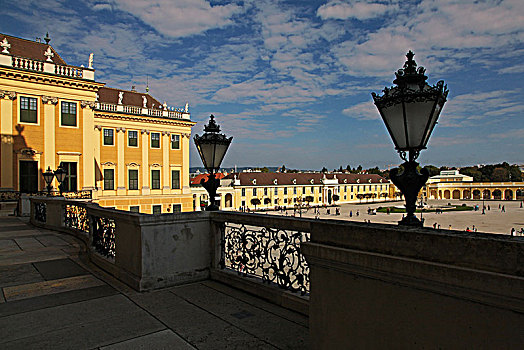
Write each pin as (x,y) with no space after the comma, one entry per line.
(132,110)
(107,107)
(268,252)
(25,63)
(41,211)
(8,196)
(69,71)
(75,217)
(104,236)
(154,112)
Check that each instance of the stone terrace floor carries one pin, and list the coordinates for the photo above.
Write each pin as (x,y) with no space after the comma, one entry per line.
(51,298)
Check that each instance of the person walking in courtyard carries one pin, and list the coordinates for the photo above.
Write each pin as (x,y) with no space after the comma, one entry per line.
(513,231)
(351,213)
(503,209)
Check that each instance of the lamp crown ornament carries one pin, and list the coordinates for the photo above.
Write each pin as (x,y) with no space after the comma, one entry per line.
(212,126)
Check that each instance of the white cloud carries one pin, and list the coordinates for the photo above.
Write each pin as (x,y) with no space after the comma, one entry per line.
(360,10)
(363,111)
(182,17)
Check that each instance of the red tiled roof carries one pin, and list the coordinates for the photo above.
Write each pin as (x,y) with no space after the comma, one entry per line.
(30,49)
(303,179)
(196,180)
(131,98)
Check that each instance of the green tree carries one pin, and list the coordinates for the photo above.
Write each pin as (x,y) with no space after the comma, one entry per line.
(433,170)
(336,197)
(348,168)
(500,174)
(255,202)
(283,168)
(324,170)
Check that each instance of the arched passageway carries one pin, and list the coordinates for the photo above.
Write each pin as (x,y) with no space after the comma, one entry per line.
(433,194)
(519,194)
(486,194)
(228,200)
(497,194)
(508,194)
(476,194)
(447,194)
(466,194)
(456,194)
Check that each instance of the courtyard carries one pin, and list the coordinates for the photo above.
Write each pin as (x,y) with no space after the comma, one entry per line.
(493,221)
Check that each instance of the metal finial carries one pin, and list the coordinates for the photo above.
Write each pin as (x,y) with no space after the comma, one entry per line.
(47,38)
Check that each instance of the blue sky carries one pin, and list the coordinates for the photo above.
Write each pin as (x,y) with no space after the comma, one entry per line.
(291,80)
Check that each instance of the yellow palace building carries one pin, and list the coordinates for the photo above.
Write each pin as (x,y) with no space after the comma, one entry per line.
(125,148)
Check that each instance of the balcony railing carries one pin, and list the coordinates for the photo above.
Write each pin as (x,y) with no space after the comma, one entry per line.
(163,113)
(47,67)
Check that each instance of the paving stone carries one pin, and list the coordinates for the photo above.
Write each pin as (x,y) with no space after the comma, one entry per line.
(41,322)
(51,300)
(62,268)
(11,228)
(32,290)
(52,241)
(253,319)
(26,232)
(203,329)
(14,275)
(84,325)
(24,257)
(165,339)
(8,245)
(28,243)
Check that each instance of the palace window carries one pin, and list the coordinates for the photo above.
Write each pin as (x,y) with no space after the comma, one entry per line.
(109,137)
(243,192)
(177,208)
(68,113)
(294,190)
(276,191)
(175,179)
(132,138)
(254,192)
(155,140)
(69,183)
(28,110)
(133,179)
(265,191)
(109,179)
(134,209)
(175,141)
(285,190)
(157,209)
(155,179)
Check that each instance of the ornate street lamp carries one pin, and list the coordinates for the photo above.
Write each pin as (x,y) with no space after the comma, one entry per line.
(48,178)
(212,147)
(60,174)
(410,111)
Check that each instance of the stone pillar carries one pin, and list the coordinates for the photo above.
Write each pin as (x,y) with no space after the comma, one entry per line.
(145,162)
(120,170)
(48,121)
(6,130)
(166,186)
(88,149)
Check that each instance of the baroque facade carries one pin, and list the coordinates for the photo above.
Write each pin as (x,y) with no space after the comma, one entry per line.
(269,190)
(125,147)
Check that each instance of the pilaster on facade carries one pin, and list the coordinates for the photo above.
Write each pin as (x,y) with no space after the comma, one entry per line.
(120,171)
(146,189)
(6,130)
(98,175)
(185,163)
(166,188)
(49,130)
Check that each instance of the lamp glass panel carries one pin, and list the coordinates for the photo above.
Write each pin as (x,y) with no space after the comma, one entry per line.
(48,177)
(220,152)
(394,119)
(418,114)
(206,151)
(433,121)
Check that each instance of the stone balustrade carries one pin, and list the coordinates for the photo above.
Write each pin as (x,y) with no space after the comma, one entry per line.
(163,113)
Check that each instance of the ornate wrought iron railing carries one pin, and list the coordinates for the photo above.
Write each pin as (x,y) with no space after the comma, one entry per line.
(104,236)
(8,196)
(75,217)
(41,211)
(270,253)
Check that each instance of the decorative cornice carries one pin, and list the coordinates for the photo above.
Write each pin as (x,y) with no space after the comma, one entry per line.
(28,152)
(108,163)
(144,131)
(90,104)
(121,129)
(164,133)
(155,165)
(186,135)
(47,78)
(98,127)
(132,164)
(50,100)
(9,94)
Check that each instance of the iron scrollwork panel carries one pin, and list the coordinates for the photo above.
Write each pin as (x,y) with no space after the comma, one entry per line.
(40,212)
(269,253)
(104,236)
(76,217)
